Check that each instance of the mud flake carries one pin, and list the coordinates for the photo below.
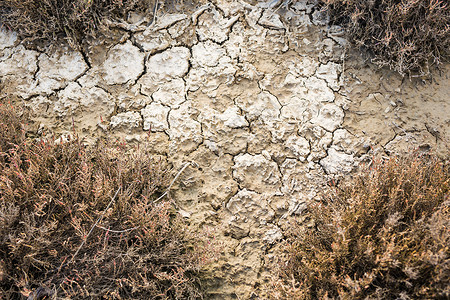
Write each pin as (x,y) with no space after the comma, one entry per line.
(319,139)
(171,93)
(132,99)
(305,66)
(223,132)
(318,90)
(248,210)
(155,117)
(337,162)
(330,73)
(297,178)
(330,117)
(84,106)
(128,120)
(271,19)
(273,234)
(345,142)
(57,70)
(124,63)
(233,119)
(210,26)
(299,147)
(153,41)
(21,62)
(256,173)
(208,79)
(411,141)
(207,54)
(185,132)
(264,106)
(169,64)
(299,110)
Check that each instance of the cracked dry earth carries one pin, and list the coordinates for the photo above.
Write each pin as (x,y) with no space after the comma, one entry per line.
(265,102)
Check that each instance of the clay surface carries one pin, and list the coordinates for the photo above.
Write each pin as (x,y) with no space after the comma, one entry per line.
(263,99)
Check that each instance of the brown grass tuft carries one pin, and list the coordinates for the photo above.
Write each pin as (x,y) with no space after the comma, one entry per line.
(52,194)
(383,235)
(409,36)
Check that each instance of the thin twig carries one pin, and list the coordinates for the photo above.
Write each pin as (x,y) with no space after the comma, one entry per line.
(155,12)
(285,3)
(117,231)
(93,226)
(173,181)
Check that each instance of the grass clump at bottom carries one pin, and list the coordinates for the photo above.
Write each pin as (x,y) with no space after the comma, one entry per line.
(52,194)
(383,235)
(409,36)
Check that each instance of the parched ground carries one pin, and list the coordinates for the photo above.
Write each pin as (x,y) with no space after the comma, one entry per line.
(264,102)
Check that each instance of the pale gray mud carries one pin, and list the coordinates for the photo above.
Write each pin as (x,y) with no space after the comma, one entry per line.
(264,102)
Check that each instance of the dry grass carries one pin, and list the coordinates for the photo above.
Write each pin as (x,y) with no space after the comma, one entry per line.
(65,20)
(52,195)
(409,36)
(383,235)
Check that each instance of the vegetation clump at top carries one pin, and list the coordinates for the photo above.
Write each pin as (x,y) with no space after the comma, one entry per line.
(409,36)
(85,222)
(69,20)
(383,235)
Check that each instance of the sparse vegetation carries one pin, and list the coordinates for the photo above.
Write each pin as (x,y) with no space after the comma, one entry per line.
(383,235)
(69,20)
(52,195)
(409,36)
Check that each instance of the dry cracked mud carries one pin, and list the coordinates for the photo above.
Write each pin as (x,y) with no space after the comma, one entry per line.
(264,100)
